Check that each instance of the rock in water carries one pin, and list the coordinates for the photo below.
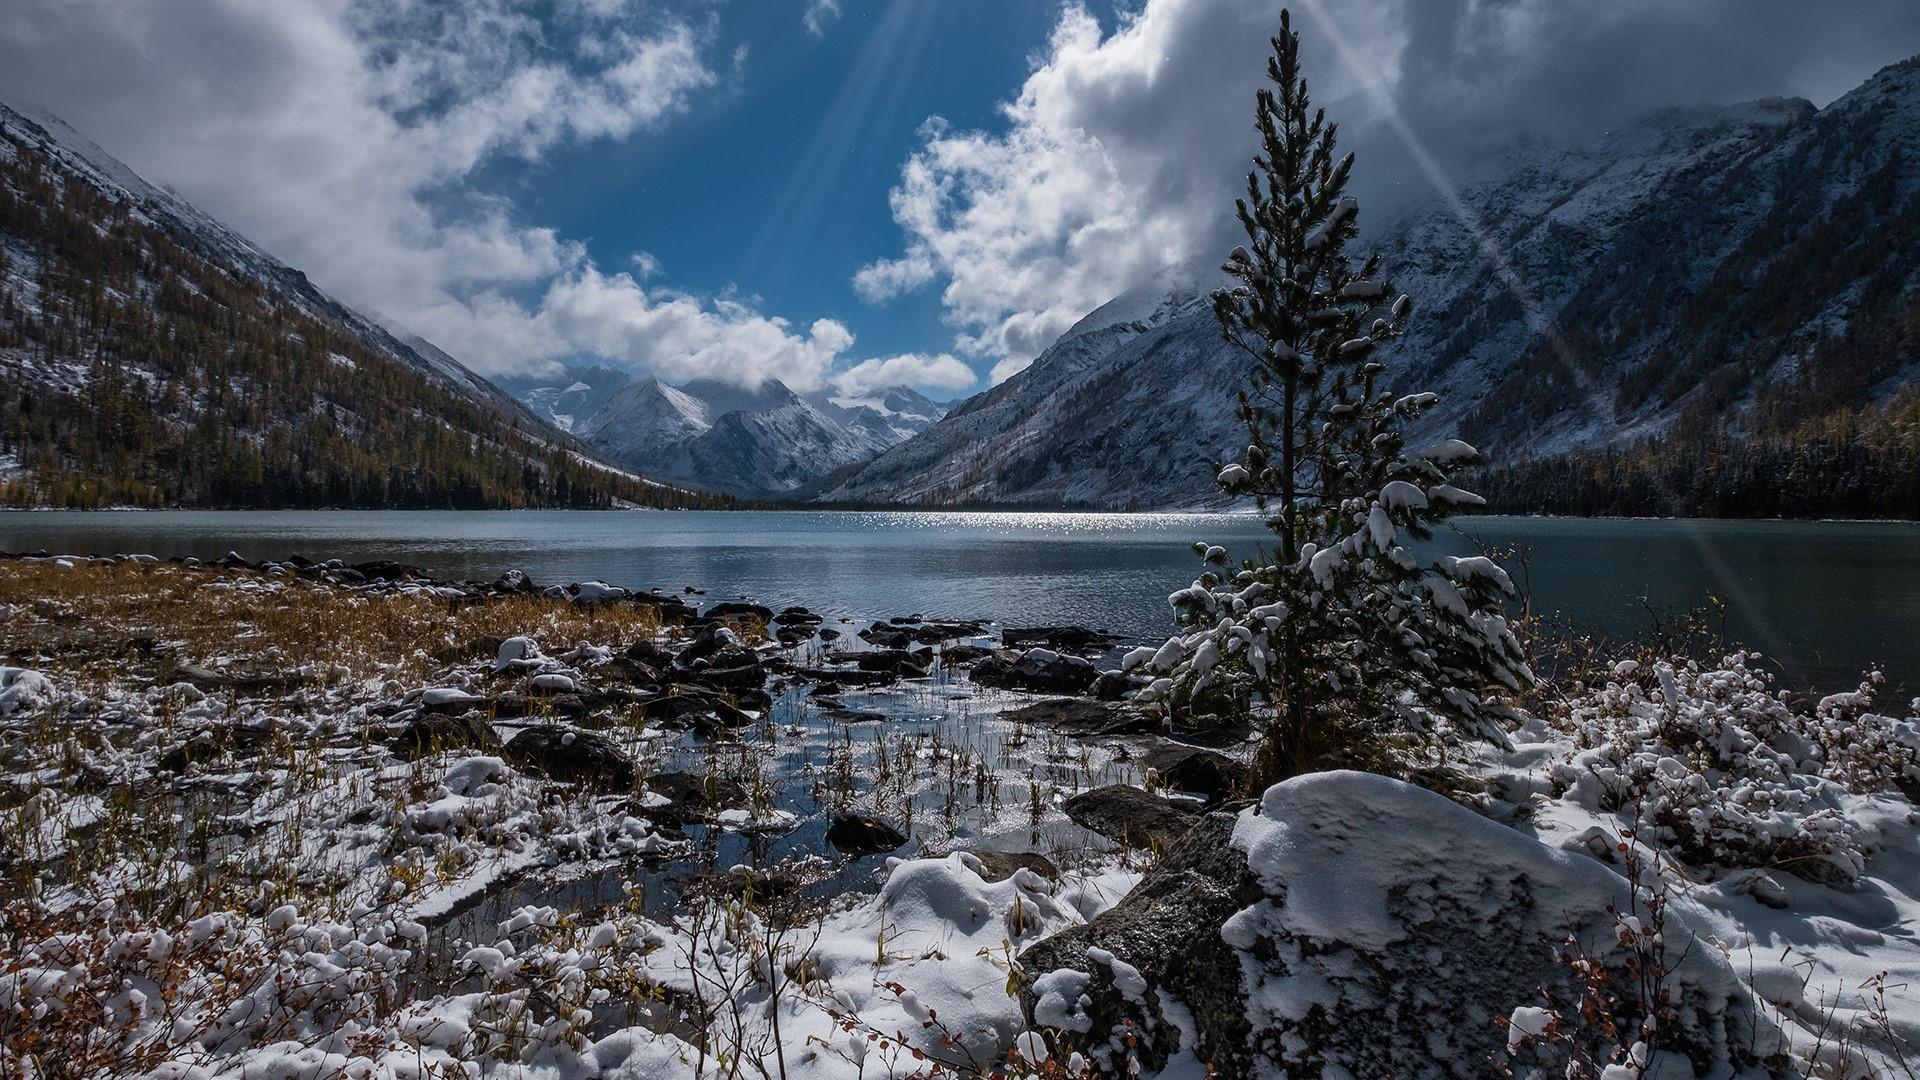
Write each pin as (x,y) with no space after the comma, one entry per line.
(860,834)
(1353,925)
(1040,670)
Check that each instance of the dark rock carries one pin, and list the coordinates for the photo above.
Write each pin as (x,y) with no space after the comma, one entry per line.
(897,661)
(197,750)
(734,669)
(388,570)
(738,609)
(711,640)
(1168,928)
(1039,670)
(1197,770)
(515,583)
(1000,865)
(861,834)
(957,655)
(692,798)
(672,610)
(435,732)
(1083,718)
(829,634)
(1111,686)
(798,616)
(842,677)
(628,670)
(1072,638)
(853,716)
(694,710)
(213,744)
(573,757)
(883,636)
(1136,818)
(649,653)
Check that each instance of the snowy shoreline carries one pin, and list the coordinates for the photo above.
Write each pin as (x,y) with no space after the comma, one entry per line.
(310,822)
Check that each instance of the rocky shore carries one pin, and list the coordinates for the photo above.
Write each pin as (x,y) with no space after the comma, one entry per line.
(399,826)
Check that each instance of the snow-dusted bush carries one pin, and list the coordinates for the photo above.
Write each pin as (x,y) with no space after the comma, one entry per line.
(1716,767)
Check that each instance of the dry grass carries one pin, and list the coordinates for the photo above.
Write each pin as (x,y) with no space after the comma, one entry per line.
(100,619)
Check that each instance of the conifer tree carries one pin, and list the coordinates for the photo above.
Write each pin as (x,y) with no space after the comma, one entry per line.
(1341,634)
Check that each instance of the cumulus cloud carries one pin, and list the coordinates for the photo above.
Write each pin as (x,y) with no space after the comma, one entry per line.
(818,14)
(342,137)
(941,371)
(1121,153)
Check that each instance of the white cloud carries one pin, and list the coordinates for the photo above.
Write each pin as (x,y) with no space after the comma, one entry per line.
(818,14)
(342,136)
(933,372)
(1122,152)
(670,333)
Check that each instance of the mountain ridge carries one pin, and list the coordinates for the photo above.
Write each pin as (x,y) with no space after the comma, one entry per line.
(1595,326)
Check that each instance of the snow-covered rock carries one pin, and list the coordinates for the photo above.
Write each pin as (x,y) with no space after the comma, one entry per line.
(1351,924)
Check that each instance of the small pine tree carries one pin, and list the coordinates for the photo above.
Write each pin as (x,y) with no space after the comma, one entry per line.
(1346,635)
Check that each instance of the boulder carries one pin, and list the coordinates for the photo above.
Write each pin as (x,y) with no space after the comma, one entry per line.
(883,636)
(1071,638)
(1078,716)
(649,653)
(1195,769)
(573,757)
(694,711)
(957,655)
(1039,670)
(1110,686)
(515,583)
(739,609)
(1001,865)
(863,834)
(1353,925)
(672,610)
(1134,817)
(685,798)
(895,661)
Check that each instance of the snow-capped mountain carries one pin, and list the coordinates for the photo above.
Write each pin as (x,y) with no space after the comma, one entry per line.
(1704,268)
(766,441)
(230,377)
(571,397)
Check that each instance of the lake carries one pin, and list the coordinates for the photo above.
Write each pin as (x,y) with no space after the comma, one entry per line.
(1824,599)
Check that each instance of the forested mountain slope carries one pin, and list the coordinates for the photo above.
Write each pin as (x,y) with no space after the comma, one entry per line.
(149,356)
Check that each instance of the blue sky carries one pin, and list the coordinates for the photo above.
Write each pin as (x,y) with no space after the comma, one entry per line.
(777,185)
(709,188)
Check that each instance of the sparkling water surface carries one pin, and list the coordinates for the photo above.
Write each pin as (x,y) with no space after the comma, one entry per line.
(1825,599)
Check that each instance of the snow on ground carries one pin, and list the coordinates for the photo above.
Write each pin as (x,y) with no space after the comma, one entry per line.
(211,882)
